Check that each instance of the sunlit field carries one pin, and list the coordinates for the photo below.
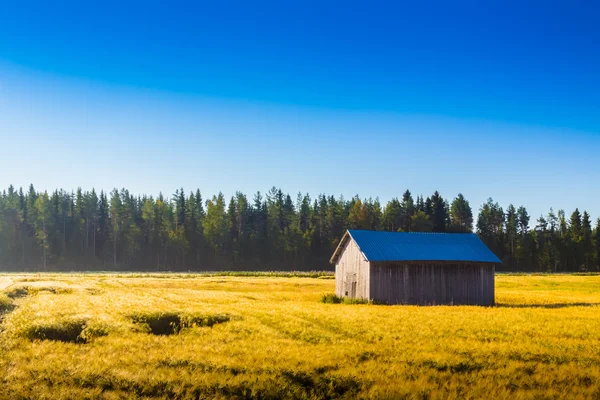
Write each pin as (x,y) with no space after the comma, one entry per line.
(270,337)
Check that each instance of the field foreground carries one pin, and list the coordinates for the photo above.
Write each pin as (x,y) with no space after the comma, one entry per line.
(174,336)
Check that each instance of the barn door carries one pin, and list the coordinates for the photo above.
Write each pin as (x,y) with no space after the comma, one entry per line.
(350,285)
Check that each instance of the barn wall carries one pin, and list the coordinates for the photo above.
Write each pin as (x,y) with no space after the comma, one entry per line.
(352,268)
(432,283)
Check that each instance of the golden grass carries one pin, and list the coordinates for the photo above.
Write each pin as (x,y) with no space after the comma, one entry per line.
(272,337)
(5,302)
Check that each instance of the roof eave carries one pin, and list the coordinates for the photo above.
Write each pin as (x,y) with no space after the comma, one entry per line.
(443,261)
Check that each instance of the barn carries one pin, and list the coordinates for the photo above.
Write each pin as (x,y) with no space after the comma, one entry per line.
(414,268)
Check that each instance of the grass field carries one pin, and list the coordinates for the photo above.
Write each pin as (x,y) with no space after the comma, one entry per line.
(189,336)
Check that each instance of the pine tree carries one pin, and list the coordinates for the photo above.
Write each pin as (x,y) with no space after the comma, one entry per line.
(94,215)
(12,223)
(407,210)
(511,234)
(30,206)
(428,204)
(523,245)
(420,206)
(80,232)
(305,226)
(461,215)
(23,225)
(564,242)
(597,244)
(164,215)
(179,199)
(316,242)
(258,222)
(438,212)
(130,231)
(587,242)
(149,231)
(490,226)
(199,205)
(3,238)
(199,243)
(376,215)
(115,222)
(103,224)
(575,233)
(540,234)
(553,245)
(43,208)
(304,211)
(234,229)
(335,220)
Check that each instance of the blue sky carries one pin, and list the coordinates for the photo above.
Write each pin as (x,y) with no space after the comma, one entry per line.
(498,100)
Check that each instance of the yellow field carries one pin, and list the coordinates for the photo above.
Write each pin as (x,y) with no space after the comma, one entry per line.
(268,337)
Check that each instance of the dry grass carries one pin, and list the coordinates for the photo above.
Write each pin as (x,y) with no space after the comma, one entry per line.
(5,302)
(90,336)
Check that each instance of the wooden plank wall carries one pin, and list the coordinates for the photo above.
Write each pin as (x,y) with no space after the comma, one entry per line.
(352,267)
(427,283)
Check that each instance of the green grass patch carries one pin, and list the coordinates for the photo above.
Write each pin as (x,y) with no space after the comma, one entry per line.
(65,330)
(318,385)
(5,302)
(332,298)
(22,291)
(17,291)
(170,323)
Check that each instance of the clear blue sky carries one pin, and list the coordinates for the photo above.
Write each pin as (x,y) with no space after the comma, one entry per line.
(491,99)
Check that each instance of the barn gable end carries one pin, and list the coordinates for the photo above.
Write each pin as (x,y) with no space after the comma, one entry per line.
(351,271)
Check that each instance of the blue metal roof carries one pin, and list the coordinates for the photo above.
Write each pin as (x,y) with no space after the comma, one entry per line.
(417,246)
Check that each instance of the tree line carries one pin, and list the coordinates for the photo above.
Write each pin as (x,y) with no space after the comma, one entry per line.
(86,230)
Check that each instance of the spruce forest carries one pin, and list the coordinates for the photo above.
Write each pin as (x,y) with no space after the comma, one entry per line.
(119,231)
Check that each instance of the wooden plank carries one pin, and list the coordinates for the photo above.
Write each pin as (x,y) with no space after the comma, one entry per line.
(429,283)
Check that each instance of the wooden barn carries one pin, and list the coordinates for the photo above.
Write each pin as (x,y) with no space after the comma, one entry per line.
(415,268)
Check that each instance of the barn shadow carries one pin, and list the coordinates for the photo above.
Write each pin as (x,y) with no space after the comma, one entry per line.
(554,305)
